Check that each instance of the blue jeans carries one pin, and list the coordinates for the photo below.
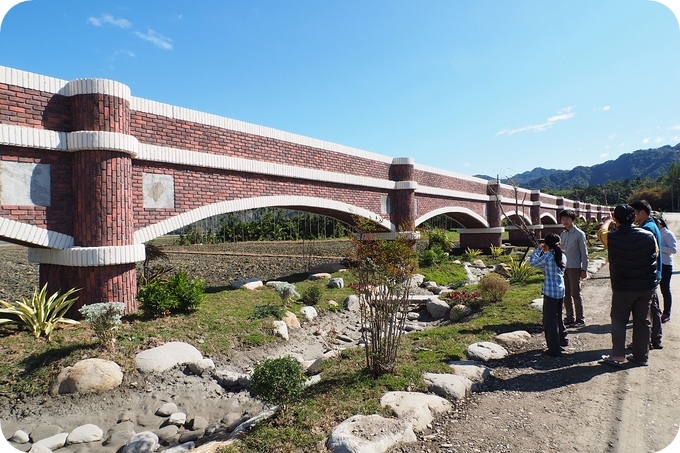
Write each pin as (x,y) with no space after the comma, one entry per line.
(665,285)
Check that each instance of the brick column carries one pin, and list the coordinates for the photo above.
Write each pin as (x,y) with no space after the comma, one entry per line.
(102,261)
(403,197)
(484,238)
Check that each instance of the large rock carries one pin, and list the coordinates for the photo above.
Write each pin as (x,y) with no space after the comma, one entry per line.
(143,442)
(369,434)
(85,434)
(163,358)
(88,376)
(485,351)
(450,386)
(470,369)
(437,308)
(415,407)
(514,339)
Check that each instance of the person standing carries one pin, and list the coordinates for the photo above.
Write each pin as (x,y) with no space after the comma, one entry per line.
(573,242)
(668,249)
(551,259)
(644,220)
(633,257)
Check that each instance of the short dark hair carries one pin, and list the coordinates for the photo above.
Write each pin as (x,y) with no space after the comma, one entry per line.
(642,205)
(568,213)
(661,223)
(625,214)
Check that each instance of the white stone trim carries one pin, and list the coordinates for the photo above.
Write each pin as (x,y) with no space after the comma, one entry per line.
(452,210)
(551,217)
(88,256)
(97,86)
(173,223)
(101,140)
(480,230)
(439,171)
(28,137)
(30,234)
(406,185)
(528,227)
(428,190)
(403,161)
(32,81)
(166,154)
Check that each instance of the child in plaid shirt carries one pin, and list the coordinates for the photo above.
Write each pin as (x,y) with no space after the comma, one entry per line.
(551,259)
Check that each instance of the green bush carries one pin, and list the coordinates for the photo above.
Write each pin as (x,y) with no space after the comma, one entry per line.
(288,292)
(312,295)
(472,254)
(432,256)
(104,318)
(278,381)
(263,311)
(496,252)
(41,313)
(493,287)
(179,294)
(437,238)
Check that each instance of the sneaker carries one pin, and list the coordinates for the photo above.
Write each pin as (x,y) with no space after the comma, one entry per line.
(665,318)
(580,323)
(656,346)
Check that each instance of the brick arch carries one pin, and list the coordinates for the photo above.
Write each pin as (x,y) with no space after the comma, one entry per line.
(548,219)
(30,235)
(341,211)
(466,217)
(521,215)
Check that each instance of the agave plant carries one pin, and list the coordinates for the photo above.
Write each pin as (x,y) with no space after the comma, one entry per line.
(41,313)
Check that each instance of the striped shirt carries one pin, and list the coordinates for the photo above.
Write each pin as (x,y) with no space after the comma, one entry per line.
(553,285)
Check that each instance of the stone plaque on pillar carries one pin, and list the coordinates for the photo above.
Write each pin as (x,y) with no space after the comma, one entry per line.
(25,184)
(159,191)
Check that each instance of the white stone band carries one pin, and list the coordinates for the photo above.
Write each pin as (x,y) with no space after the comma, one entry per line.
(88,256)
(99,140)
(97,86)
(480,230)
(24,232)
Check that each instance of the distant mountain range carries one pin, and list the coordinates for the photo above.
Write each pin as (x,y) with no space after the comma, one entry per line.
(643,163)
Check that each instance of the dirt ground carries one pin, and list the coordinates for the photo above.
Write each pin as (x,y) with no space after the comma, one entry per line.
(533,403)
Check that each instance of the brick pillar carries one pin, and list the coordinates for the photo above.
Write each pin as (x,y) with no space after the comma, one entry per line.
(403,197)
(535,213)
(102,261)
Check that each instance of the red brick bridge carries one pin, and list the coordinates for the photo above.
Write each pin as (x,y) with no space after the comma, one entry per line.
(89,173)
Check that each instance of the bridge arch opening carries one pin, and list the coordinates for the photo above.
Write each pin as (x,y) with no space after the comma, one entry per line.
(340,211)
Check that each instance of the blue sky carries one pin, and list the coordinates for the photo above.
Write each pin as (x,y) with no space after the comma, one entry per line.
(470,86)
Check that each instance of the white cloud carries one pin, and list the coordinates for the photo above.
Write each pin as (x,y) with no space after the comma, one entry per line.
(156,38)
(108,19)
(562,115)
(646,140)
(604,155)
(659,139)
(611,136)
(604,108)
(467,164)
(675,128)
(125,52)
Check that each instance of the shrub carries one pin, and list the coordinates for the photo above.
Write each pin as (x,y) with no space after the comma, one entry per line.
(312,295)
(179,294)
(383,270)
(263,311)
(519,271)
(431,256)
(41,313)
(288,292)
(496,252)
(493,287)
(464,297)
(104,318)
(278,381)
(472,254)
(438,239)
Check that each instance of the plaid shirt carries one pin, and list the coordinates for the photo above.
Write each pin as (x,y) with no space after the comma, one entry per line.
(553,285)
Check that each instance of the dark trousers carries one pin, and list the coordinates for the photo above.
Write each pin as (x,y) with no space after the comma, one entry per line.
(553,326)
(655,313)
(573,303)
(623,304)
(665,285)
